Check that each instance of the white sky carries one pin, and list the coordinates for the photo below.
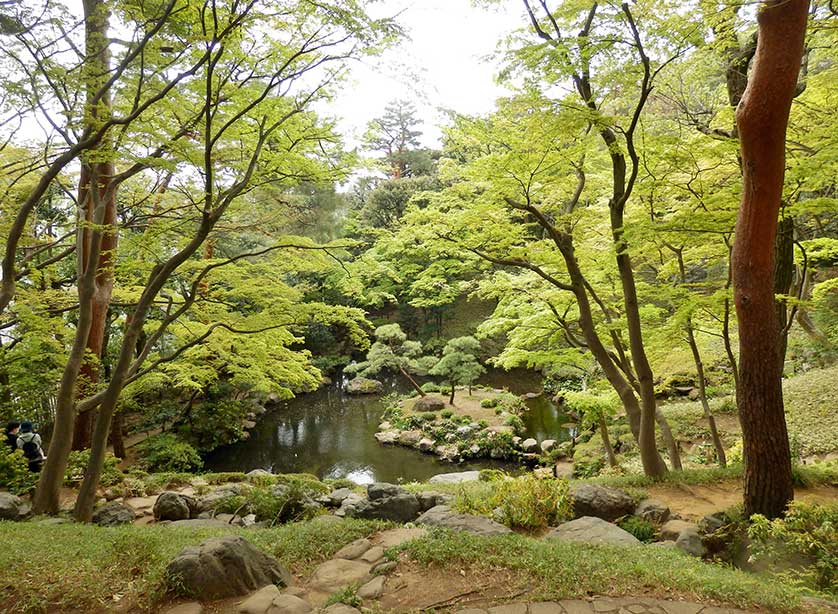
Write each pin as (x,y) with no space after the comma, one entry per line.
(442,66)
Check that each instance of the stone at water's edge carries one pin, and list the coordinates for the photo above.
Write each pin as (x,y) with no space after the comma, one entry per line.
(591,530)
(172,505)
(222,567)
(113,514)
(455,478)
(363,385)
(600,501)
(529,445)
(444,516)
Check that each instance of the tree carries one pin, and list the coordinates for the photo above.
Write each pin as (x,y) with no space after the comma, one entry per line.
(393,351)
(396,135)
(594,410)
(458,365)
(762,118)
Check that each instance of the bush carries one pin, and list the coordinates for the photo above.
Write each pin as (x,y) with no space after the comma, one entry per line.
(515,422)
(430,387)
(287,503)
(802,547)
(167,452)
(498,411)
(640,528)
(483,424)
(218,421)
(486,403)
(446,413)
(77,463)
(428,416)
(526,502)
(14,472)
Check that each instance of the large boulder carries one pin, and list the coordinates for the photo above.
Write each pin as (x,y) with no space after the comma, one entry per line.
(12,507)
(382,490)
(444,516)
(335,498)
(601,502)
(690,542)
(529,445)
(175,506)
(210,501)
(402,507)
(364,385)
(455,478)
(223,567)
(428,404)
(592,530)
(113,514)
(672,529)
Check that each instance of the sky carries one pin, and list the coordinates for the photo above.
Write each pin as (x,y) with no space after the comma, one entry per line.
(442,66)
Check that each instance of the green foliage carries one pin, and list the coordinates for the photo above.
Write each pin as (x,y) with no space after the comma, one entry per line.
(430,387)
(78,461)
(290,502)
(526,502)
(392,351)
(346,595)
(217,421)
(168,453)
(810,401)
(14,472)
(446,413)
(802,547)
(640,528)
(458,365)
(491,402)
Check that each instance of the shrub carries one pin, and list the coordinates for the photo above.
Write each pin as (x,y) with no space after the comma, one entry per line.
(428,416)
(430,387)
(167,452)
(483,424)
(218,421)
(802,547)
(14,472)
(515,422)
(486,403)
(77,463)
(640,528)
(498,411)
(526,502)
(588,459)
(287,503)
(446,413)
(345,596)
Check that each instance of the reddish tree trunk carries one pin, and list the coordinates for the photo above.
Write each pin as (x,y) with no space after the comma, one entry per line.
(762,118)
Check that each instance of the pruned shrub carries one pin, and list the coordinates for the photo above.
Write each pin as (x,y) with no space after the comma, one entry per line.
(168,452)
(77,463)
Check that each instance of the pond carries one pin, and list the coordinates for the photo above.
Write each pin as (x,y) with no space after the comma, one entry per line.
(331,434)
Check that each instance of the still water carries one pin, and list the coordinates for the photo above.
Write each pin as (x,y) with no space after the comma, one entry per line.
(331,435)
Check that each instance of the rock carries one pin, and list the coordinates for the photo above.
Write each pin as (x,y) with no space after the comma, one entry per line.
(690,542)
(530,395)
(410,438)
(260,601)
(192,607)
(373,556)
(455,478)
(444,516)
(113,514)
(563,470)
(350,504)
(381,490)
(141,504)
(673,528)
(664,544)
(600,501)
(428,499)
(547,445)
(428,404)
(54,521)
(464,431)
(202,523)
(248,424)
(501,428)
(384,567)
(222,567)
(653,511)
(353,550)
(336,497)
(372,589)
(258,473)
(592,530)
(403,507)
(397,537)
(425,445)
(363,385)
(448,453)
(210,501)
(474,449)
(11,506)
(175,506)
(340,608)
(387,437)
(529,445)
(711,523)
(336,574)
(564,449)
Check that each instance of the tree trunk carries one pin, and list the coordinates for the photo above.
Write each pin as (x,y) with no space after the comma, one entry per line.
(451,398)
(731,357)
(762,118)
(783,277)
(412,381)
(606,441)
(702,395)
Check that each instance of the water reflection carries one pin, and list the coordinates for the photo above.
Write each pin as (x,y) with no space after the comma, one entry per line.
(331,435)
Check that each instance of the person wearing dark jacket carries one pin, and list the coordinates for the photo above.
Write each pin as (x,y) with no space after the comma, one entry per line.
(30,442)
(11,434)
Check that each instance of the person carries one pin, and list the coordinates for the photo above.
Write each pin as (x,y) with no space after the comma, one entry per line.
(12,427)
(30,443)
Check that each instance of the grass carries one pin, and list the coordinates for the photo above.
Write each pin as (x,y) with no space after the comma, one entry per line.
(85,568)
(811,399)
(558,570)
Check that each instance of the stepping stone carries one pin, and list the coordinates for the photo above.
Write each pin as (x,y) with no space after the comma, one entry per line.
(577,606)
(444,516)
(260,601)
(373,555)
(397,537)
(455,478)
(546,607)
(288,604)
(471,611)
(512,608)
(192,607)
(340,608)
(372,589)
(336,574)
(592,530)
(354,550)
